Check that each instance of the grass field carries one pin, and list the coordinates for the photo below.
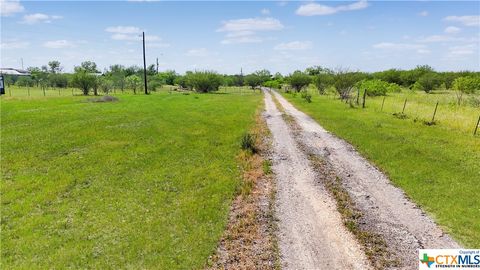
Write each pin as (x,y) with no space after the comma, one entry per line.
(437,166)
(21,91)
(144,182)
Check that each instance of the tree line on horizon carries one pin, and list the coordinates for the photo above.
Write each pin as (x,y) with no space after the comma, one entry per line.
(88,78)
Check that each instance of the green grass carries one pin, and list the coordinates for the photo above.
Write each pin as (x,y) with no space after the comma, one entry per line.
(437,166)
(21,91)
(145,182)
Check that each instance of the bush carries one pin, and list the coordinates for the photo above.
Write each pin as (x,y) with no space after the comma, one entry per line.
(253,80)
(427,82)
(377,87)
(466,85)
(248,143)
(272,84)
(344,81)
(322,81)
(305,95)
(83,80)
(204,81)
(298,80)
(25,81)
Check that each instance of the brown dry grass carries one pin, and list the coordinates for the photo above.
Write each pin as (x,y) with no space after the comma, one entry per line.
(249,240)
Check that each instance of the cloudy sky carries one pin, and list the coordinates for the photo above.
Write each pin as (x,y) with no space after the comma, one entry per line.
(229,35)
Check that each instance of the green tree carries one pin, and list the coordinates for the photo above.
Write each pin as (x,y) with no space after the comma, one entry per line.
(316,70)
(298,80)
(83,80)
(376,87)
(204,81)
(466,85)
(117,73)
(25,81)
(253,80)
(264,75)
(322,81)
(54,66)
(133,82)
(89,66)
(427,82)
(105,84)
(168,76)
(391,76)
(344,82)
(57,80)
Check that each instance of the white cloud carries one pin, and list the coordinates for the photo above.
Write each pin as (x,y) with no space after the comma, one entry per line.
(419,48)
(58,44)
(251,24)
(438,38)
(473,20)
(423,13)
(123,30)
(14,44)
(200,52)
(245,30)
(452,30)
(294,46)
(462,50)
(39,18)
(10,7)
(132,33)
(244,39)
(313,9)
(265,11)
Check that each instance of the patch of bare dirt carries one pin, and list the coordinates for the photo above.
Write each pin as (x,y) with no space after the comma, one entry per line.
(249,241)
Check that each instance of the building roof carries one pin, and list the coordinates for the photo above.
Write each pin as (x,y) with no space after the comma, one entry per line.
(14,71)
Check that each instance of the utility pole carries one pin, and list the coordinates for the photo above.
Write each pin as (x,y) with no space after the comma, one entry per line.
(157,65)
(22,62)
(144,65)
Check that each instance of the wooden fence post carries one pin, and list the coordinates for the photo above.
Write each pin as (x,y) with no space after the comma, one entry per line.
(383,102)
(476,127)
(364,97)
(358,95)
(404,105)
(434,112)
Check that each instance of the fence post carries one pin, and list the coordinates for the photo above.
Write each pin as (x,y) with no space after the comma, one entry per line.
(28,91)
(404,105)
(476,127)
(383,102)
(434,112)
(364,97)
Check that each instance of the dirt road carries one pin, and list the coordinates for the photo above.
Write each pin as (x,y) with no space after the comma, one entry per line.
(311,232)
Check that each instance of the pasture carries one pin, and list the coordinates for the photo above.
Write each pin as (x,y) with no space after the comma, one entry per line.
(144,182)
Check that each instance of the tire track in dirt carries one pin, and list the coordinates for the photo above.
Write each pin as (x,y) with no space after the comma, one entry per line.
(385,208)
(311,232)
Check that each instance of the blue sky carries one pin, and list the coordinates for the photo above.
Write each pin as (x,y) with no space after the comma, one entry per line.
(228,35)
